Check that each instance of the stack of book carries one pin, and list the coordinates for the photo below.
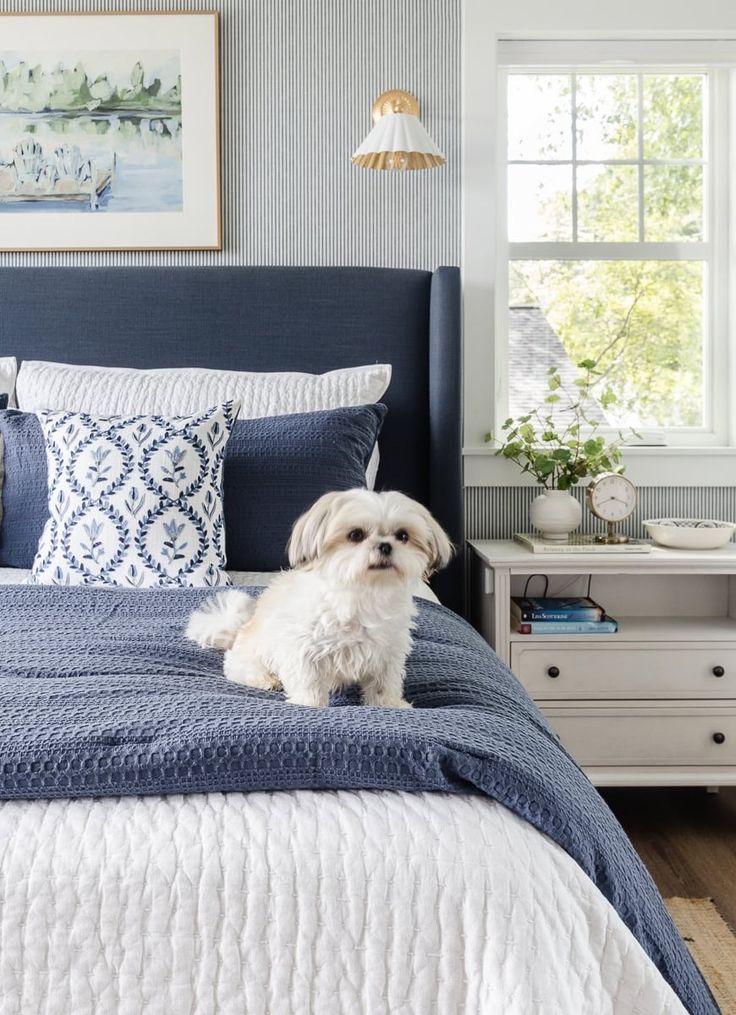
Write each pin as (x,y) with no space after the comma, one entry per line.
(560,615)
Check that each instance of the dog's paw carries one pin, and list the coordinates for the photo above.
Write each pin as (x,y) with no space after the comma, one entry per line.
(249,671)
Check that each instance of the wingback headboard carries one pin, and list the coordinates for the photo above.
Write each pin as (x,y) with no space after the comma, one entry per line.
(308,319)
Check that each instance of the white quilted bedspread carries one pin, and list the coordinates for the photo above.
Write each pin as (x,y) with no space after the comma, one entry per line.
(304,903)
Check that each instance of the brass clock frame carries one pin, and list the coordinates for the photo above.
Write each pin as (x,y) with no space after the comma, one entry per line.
(609,538)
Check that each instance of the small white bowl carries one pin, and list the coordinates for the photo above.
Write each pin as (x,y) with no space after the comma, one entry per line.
(689,533)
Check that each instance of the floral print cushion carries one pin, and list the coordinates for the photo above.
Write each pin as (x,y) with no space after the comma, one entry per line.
(134,501)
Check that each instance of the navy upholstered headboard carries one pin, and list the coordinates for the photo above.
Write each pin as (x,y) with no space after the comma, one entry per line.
(310,319)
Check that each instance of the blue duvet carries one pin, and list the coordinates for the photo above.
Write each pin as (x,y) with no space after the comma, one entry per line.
(100,695)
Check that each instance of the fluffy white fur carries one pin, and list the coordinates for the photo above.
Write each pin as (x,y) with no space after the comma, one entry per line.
(343,614)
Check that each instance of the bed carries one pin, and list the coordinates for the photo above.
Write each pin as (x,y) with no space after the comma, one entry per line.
(172,842)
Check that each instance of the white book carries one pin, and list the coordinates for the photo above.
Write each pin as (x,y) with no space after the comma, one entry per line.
(580,544)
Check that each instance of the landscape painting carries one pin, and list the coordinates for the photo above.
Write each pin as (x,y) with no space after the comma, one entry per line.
(90,132)
(104,143)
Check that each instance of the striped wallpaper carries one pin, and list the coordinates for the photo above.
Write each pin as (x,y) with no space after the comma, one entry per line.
(298,81)
(496,512)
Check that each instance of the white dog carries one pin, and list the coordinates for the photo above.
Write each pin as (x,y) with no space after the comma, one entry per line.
(343,615)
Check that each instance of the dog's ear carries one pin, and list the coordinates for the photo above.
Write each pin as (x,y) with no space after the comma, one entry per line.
(441,549)
(308,535)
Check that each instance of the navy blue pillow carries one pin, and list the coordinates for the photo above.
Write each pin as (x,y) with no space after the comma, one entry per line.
(3,405)
(274,469)
(25,500)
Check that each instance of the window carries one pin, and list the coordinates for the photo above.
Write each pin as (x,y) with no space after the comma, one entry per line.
(616,246)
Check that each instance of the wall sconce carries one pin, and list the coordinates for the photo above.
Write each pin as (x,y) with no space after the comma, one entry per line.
(398,140)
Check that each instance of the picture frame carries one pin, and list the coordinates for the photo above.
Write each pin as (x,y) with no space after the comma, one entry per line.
(110,131)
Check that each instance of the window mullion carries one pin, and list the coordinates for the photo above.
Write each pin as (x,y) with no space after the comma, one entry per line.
(574,121)
(716,184)
(640,149)
(596,251)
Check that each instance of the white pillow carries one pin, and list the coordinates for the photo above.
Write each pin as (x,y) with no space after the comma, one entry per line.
(134,500)
(182,390)
(8,371)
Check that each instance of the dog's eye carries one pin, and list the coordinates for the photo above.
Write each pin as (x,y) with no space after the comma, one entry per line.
(403,536)
(356,535)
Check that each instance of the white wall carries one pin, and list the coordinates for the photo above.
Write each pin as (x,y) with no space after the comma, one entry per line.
(623,16)
(484,24)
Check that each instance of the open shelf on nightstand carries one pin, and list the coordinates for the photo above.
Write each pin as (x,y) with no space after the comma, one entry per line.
(639,629)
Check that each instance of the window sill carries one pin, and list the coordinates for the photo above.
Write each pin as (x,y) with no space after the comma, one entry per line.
(646,466)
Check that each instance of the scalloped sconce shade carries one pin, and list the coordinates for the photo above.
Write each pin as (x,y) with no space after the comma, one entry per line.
(398,140)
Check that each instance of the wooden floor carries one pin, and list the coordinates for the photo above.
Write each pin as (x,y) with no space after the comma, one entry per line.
(687,839)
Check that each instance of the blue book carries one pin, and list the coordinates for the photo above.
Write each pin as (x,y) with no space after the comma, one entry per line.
(607,626)
(530,608)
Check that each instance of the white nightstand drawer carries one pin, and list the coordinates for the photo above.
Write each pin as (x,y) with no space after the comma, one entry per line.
(636,735)
(629,670)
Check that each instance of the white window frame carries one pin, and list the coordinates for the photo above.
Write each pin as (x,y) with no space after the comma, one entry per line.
(715,60)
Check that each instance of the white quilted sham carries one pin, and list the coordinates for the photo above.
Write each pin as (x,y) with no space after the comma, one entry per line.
(305,903)
(182,391)
(120,391)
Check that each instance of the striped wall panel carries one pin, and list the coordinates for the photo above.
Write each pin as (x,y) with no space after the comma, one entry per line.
(496,512)
(298,81)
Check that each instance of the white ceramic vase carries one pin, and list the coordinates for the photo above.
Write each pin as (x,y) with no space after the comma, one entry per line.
(555,514)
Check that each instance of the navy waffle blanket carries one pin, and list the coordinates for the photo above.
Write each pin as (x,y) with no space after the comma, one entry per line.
(101,695)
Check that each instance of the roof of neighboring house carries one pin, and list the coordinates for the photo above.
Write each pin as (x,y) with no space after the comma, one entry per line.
(533,348)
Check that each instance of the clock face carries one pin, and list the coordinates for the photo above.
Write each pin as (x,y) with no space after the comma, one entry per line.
(612,497)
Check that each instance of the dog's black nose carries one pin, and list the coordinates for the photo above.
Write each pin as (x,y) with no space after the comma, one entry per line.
(384,549)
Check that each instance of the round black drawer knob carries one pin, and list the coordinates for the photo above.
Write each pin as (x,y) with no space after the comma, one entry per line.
(718,671)
(553,671)
(719,738)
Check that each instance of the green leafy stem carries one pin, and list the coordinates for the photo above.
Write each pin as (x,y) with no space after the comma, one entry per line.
(558,443)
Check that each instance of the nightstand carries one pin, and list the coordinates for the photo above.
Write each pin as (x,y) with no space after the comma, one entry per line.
(654,704)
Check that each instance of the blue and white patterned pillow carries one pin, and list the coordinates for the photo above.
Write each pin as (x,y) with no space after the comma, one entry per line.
(134,500)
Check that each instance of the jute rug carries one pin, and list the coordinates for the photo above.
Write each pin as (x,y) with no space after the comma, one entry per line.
(712,944)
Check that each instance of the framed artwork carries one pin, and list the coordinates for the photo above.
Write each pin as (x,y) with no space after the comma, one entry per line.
(109,131)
